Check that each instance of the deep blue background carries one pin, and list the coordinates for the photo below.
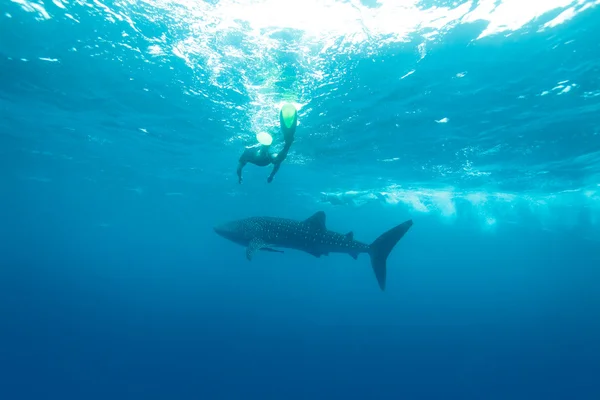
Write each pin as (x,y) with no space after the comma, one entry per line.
(113,284)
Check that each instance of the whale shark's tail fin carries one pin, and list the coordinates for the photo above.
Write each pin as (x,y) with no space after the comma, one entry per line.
(381,248)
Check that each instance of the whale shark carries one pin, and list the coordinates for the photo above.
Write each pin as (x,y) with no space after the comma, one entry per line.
(311,236)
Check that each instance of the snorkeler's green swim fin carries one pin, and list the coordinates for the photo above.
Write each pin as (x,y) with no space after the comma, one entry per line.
(288,119)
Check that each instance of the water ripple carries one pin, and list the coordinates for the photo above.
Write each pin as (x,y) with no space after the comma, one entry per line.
(399,92)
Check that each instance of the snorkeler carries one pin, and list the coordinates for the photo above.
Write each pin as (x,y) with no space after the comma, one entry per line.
(260,155)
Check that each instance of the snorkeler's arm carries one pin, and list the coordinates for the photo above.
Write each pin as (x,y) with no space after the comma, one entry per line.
(241,163)
(278,159)
(239,170)
(275,169)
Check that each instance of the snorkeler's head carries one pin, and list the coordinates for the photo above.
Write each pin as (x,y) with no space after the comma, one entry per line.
(288,119)
(264,138)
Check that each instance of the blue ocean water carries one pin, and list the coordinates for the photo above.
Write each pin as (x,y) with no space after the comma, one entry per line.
(120,128)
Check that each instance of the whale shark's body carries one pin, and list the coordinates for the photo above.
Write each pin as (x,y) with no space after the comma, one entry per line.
(311,236)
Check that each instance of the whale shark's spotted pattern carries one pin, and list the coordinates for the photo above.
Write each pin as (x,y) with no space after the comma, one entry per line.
(310,236)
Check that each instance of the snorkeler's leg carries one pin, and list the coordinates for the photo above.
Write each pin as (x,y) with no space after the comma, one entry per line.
(284,152)
(288,120)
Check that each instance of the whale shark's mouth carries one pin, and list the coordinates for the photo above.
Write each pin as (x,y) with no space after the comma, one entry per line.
(229,230)
(220,230)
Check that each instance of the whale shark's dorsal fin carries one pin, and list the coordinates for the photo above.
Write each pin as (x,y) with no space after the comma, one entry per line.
(350,235)
(317,220)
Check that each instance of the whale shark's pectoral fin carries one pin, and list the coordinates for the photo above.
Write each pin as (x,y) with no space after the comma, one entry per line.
(271,250)
(254,245)
(258,244)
